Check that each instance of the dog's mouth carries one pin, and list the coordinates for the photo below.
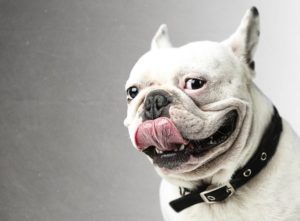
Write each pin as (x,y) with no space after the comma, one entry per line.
(182,151)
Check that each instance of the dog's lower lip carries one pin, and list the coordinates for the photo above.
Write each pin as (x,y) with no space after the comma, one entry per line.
(195,148)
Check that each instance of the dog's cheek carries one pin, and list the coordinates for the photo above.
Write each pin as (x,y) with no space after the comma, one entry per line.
(210,94)
(188,124)
(218,91)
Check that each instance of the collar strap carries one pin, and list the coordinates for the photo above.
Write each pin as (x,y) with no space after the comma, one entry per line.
(258,161)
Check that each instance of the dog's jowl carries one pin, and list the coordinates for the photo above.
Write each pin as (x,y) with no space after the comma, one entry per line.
(219,144)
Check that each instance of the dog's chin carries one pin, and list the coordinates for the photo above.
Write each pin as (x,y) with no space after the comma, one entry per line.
(186,158)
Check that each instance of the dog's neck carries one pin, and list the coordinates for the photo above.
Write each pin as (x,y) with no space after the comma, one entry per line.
(262,113)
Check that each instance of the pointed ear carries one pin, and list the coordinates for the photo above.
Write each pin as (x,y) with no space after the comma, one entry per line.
(161,38)
(245,39)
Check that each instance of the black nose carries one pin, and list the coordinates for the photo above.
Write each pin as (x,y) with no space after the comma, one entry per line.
(156,104)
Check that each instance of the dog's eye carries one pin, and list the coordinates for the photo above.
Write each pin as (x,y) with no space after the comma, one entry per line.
(194,83)
(132,92)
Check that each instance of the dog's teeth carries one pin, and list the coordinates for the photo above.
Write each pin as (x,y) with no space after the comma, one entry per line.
(212,142)
(158,151)
(182,147)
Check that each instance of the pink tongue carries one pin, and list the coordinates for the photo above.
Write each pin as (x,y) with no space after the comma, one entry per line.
(160,133)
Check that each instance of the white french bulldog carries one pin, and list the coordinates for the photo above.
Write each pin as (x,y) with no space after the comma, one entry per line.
(196,113)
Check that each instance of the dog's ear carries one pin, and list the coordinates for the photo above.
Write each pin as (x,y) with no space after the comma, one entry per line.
(244,40)
(161,38)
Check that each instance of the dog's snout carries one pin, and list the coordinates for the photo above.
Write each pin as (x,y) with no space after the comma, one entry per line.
(156,104)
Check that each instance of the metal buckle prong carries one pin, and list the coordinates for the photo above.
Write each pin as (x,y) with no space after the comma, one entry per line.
(211,199)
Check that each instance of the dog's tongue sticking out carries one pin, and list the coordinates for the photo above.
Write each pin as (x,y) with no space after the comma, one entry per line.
(160,133)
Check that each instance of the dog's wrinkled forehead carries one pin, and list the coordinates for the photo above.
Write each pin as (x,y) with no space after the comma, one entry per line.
(168,64)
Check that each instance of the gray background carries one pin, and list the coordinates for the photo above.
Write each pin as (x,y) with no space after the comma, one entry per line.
(64,153)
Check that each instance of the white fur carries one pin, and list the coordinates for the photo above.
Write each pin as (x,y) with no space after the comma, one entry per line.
(274,193)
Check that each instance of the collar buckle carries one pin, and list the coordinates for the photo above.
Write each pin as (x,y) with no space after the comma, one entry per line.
(209,196)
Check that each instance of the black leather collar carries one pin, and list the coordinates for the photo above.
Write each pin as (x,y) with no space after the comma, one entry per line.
(258,161)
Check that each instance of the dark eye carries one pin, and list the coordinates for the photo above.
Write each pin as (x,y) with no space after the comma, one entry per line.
(194,83)
(132,92)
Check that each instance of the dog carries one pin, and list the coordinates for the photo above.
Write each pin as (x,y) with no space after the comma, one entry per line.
(219,144)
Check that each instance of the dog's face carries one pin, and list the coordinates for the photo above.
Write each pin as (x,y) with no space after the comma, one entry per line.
(189,108)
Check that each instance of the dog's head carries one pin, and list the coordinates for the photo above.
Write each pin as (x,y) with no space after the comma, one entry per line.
(189,108)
